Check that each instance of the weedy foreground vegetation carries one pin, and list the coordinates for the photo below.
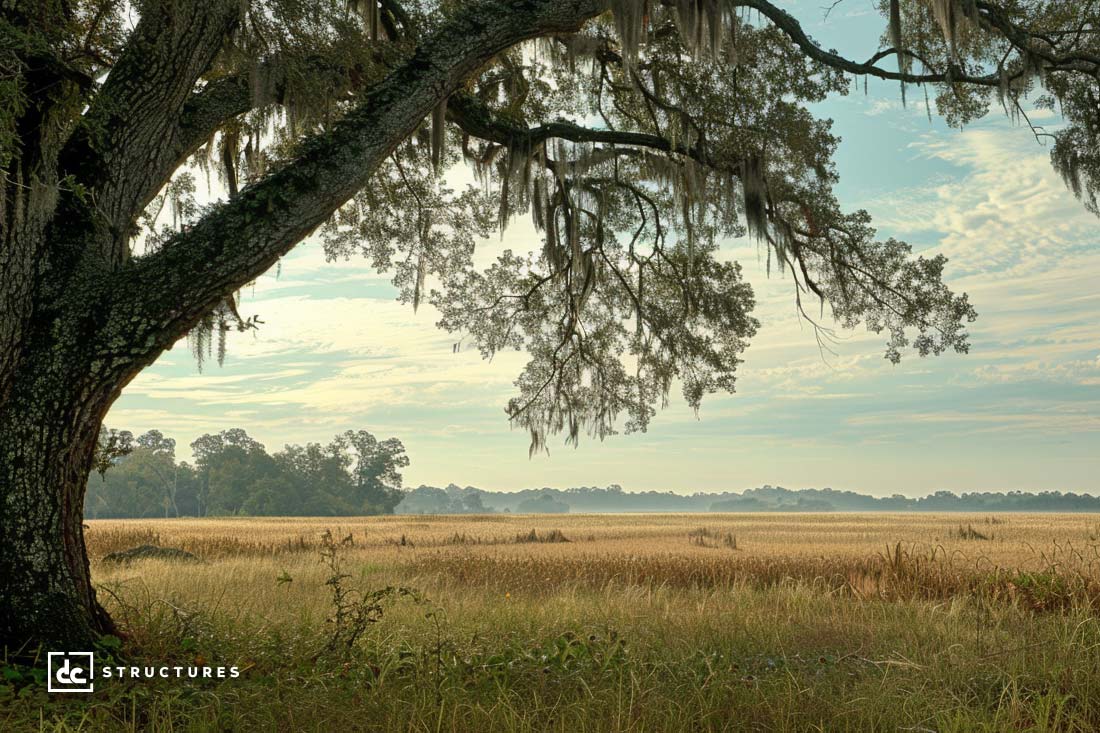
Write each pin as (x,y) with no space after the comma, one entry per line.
(597,623)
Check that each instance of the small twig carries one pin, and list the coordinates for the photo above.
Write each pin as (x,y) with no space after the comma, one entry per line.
(830,8)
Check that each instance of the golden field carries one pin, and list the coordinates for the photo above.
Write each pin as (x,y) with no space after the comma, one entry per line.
(685,622)
(910,555)
(1014,538)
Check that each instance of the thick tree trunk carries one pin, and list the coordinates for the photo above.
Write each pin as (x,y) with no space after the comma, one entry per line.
(48,431)
(63,383)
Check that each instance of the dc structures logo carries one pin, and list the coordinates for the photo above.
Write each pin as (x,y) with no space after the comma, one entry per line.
(70,671)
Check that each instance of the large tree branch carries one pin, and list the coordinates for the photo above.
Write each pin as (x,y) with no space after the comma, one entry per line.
(127,138)
(228,97)
(1019,37)
(208,109)
(163,295)
(478,120)
(203,114)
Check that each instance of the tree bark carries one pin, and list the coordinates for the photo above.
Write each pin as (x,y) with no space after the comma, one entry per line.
(48,595)
(48,431)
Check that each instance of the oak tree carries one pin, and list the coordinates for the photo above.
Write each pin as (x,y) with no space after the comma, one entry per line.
(638,134)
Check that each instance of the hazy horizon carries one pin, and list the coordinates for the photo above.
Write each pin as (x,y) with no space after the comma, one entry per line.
(687,492)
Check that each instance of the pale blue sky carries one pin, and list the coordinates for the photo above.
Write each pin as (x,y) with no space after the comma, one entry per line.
(1021,411)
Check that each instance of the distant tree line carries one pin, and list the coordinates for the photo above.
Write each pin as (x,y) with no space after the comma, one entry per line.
(469,500)
(777,498)
(233,474)
(466,500)
(356,474)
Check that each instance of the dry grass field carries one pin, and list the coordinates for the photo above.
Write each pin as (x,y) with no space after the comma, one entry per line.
(769,622)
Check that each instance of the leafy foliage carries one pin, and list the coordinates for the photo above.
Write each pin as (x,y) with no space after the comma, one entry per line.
(233,474)
(629,296)
(451,500)
(111,446)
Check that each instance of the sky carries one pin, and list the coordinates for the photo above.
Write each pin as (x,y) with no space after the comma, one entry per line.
(1021,411)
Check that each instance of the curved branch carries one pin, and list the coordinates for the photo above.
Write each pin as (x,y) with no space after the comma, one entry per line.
(479,121)
(785,22)
(240,239)
(125,137)
(203,114)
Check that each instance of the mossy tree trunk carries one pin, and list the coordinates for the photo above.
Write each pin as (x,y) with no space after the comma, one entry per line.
(48,435)
(55,401)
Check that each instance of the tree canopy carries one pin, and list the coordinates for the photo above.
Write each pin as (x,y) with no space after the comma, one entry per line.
(637,144)
(355,474)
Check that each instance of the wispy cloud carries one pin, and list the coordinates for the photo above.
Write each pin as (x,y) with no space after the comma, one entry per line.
(1003,209)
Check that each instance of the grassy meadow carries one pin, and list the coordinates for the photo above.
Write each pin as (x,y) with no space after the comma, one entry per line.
(772,622)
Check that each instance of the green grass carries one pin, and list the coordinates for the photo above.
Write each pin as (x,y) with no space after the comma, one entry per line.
(628,658)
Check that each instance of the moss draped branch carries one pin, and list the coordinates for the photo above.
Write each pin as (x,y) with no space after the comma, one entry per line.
(478,120)
(1021,39)
(242,238)
(125,145)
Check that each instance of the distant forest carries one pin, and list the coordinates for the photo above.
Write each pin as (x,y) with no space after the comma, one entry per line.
(233,474)
(471,500)
(357,474)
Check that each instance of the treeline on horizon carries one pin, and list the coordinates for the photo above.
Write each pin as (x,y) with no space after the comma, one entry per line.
(356,474)
(471,500)
(233,474)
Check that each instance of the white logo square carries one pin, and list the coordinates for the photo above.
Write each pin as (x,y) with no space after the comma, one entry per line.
(70,671)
